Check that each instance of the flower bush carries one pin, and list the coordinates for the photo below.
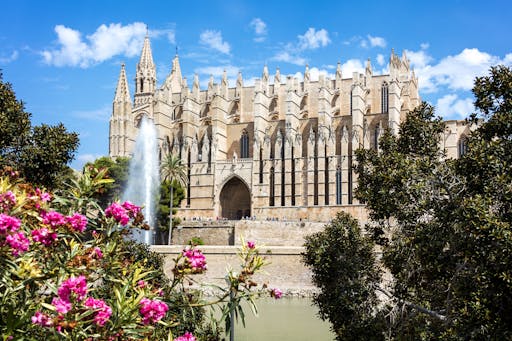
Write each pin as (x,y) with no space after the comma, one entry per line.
(67,271)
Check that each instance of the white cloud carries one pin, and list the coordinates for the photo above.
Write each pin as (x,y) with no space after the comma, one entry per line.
(456,72)
(380,59)
(11,58)
(260,29)
(376,41)
(351,66)
(105,43)
(287,57)
(313,39)
(450,106)
(314,74)
(213,39)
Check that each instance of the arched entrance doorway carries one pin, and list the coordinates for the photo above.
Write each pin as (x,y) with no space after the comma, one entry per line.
(235,200)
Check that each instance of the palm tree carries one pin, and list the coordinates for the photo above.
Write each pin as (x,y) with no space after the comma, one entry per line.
(173,170)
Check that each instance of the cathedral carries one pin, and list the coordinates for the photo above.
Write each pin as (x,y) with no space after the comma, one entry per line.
(282,148)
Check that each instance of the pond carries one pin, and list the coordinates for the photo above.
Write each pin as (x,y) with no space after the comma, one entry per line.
(286,319)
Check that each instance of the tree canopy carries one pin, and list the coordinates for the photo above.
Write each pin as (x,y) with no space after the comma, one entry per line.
(40,153)
(443,226)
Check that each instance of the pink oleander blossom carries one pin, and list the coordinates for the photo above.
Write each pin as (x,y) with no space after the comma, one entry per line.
(152,311)
(250,244)
(78,222)
(103,310)
(8,224)
(276,293)
(134,209)
(44,236)
(18,243)
(98,253)
(195,258)
(141,284)
(186,337)
(54,219)
(73,285)
(41,319)
(61,305)
(118,212)
(7,201)
(43,196)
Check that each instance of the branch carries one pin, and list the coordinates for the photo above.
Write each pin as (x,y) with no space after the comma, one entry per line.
(414,306)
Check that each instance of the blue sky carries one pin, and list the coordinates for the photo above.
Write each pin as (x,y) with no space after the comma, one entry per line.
(63,58)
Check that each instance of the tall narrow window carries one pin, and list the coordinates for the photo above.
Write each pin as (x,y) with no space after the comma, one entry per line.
(261,165)
(338,185)
(244,145)
(209,154)
(350,180)
(463,146)
(293,177)
(271,184)
(141,85)
(384,98)
(282,171)
(315,174)
(326,178)
(188,177)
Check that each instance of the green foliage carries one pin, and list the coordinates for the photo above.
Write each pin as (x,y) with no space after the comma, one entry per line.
(40,153)
(345,270)
(116,169)
(163,204)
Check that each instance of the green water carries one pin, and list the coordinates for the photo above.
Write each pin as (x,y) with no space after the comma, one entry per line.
(286,319)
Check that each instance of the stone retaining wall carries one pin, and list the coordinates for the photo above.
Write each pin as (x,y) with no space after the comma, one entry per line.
(285,270)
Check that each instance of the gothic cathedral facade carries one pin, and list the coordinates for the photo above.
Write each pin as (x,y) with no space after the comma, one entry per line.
(280,149)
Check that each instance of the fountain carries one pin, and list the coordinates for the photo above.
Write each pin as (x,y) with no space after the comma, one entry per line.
(144,180)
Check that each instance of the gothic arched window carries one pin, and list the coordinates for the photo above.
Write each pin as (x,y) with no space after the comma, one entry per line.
(338,185)
(384,98)
(463,145)
(272,183)
(244,145)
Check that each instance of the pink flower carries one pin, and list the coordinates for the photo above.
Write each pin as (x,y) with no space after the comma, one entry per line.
(152,311)
(44,196)
(195,259)
(134,209)
(186,337)
(276,293)
(8,223)
(61,305)
(41,319)
(18,243)
(103,310)
(118,213)
(141,284)
(78,222)
(7,201)
(73,285)
(44,236)
(98,253)
(250,244)
(54,219)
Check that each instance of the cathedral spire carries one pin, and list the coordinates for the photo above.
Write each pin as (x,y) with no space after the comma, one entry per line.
(122,90)
(145,78)
(175,79)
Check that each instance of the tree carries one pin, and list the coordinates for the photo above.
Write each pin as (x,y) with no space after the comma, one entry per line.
(164,205)
(347,294)
(444,226)
(174,171)
(40,153)
(116,169)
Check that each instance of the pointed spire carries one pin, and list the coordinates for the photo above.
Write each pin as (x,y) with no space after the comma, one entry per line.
(224,78)
(264,76)
(175,79)
(146,57)
(239,80)
(306,73)
(368,66)
(122,90)
(338,70)
(277,77)
(195,86)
